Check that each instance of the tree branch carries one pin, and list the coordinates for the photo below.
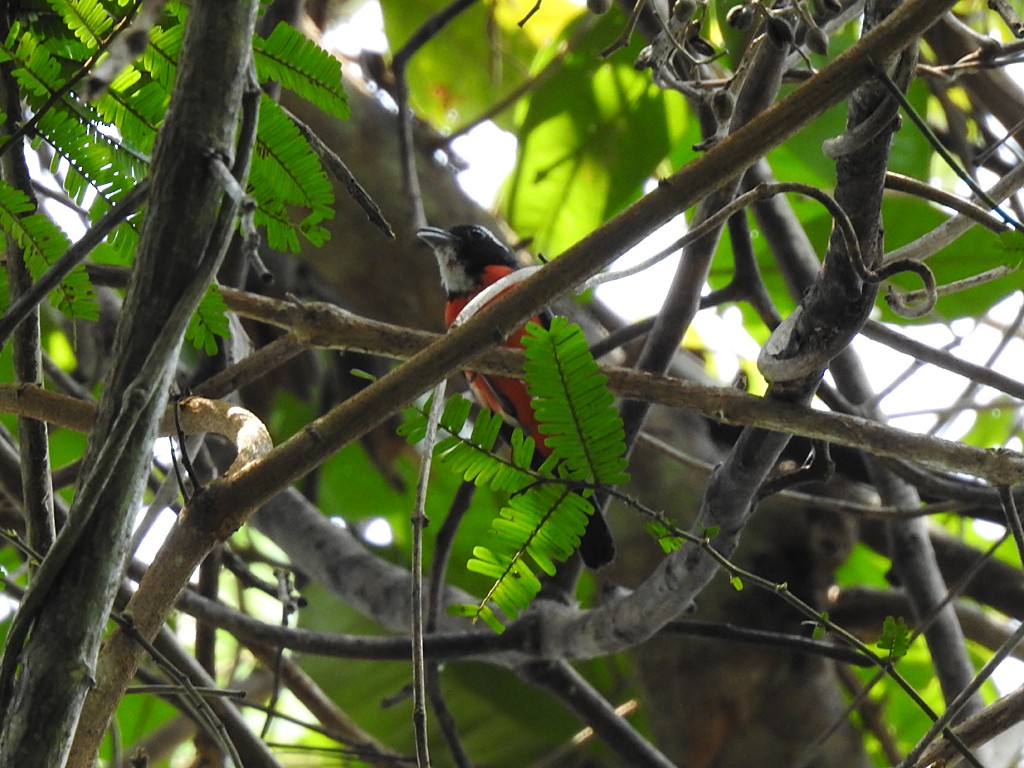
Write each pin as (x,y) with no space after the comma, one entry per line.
(177,256)
(26,352)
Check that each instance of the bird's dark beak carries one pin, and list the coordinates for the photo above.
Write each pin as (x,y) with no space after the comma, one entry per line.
(435,237)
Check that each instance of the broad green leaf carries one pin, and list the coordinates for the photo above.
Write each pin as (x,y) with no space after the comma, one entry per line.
(993,427)
(590,139)
(494,54)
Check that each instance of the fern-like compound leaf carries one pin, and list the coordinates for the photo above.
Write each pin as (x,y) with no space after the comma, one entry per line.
(573,404)
(297,63)
(286,173)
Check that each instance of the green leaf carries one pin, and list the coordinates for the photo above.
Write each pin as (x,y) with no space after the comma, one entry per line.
(160,59)
(359,373)
(39,73)
(135,106)
(95,161)
(88,19)
(544,523)
(992,427)
(819,631)
(581,157)
(494,54)
(665,538)
(573,404)
(299,64)
(472,457)
(42,242)
(977,250)
(1011,242)
(895,639)
(286,174)
(545,518)
(209,321)
(481,612)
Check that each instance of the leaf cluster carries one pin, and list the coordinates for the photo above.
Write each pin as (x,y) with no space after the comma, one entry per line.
(100,150)
(549,507)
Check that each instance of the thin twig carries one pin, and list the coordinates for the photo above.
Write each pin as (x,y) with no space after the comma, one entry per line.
(531,84)
(419,522)
(399,62)
(1013,521)
(844,226)
(941,724)
(941,359)
(529,14)
(583,700)
(974,385)
(187,690)
(341,172)
(26,349)
(885,666)
(900,183)
(443,542)
(941,150)
(260,363)
(948,231)
(445,718)
(627,33)
(722,404)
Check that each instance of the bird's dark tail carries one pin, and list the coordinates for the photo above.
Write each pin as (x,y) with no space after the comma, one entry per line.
(597,548)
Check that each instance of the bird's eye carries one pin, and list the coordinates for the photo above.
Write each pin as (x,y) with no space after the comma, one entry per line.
(476,233)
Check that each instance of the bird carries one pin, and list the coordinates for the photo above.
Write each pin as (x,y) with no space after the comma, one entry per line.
(471,258)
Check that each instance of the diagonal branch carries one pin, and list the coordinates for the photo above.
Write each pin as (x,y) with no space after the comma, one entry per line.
(178,255)
(372,405)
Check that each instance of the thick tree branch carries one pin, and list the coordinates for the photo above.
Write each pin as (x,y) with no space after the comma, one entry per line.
(26,353)
(760,84)
(177,257)
(722,404)
(375,403)
(225,504)
(860,184)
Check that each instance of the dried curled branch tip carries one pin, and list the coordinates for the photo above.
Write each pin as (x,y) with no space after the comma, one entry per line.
(913,303)
(199,414)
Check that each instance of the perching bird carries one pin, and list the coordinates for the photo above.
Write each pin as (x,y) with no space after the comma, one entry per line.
(471,258)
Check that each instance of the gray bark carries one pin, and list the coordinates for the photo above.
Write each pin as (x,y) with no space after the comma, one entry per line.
(178,253)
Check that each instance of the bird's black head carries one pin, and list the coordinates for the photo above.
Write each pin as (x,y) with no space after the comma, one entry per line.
(463,252)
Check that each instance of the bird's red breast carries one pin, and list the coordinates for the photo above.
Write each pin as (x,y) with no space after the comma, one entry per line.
(470,259)
(500,393)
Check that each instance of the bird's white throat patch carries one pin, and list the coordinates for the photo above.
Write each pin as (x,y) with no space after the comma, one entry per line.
(453,273)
